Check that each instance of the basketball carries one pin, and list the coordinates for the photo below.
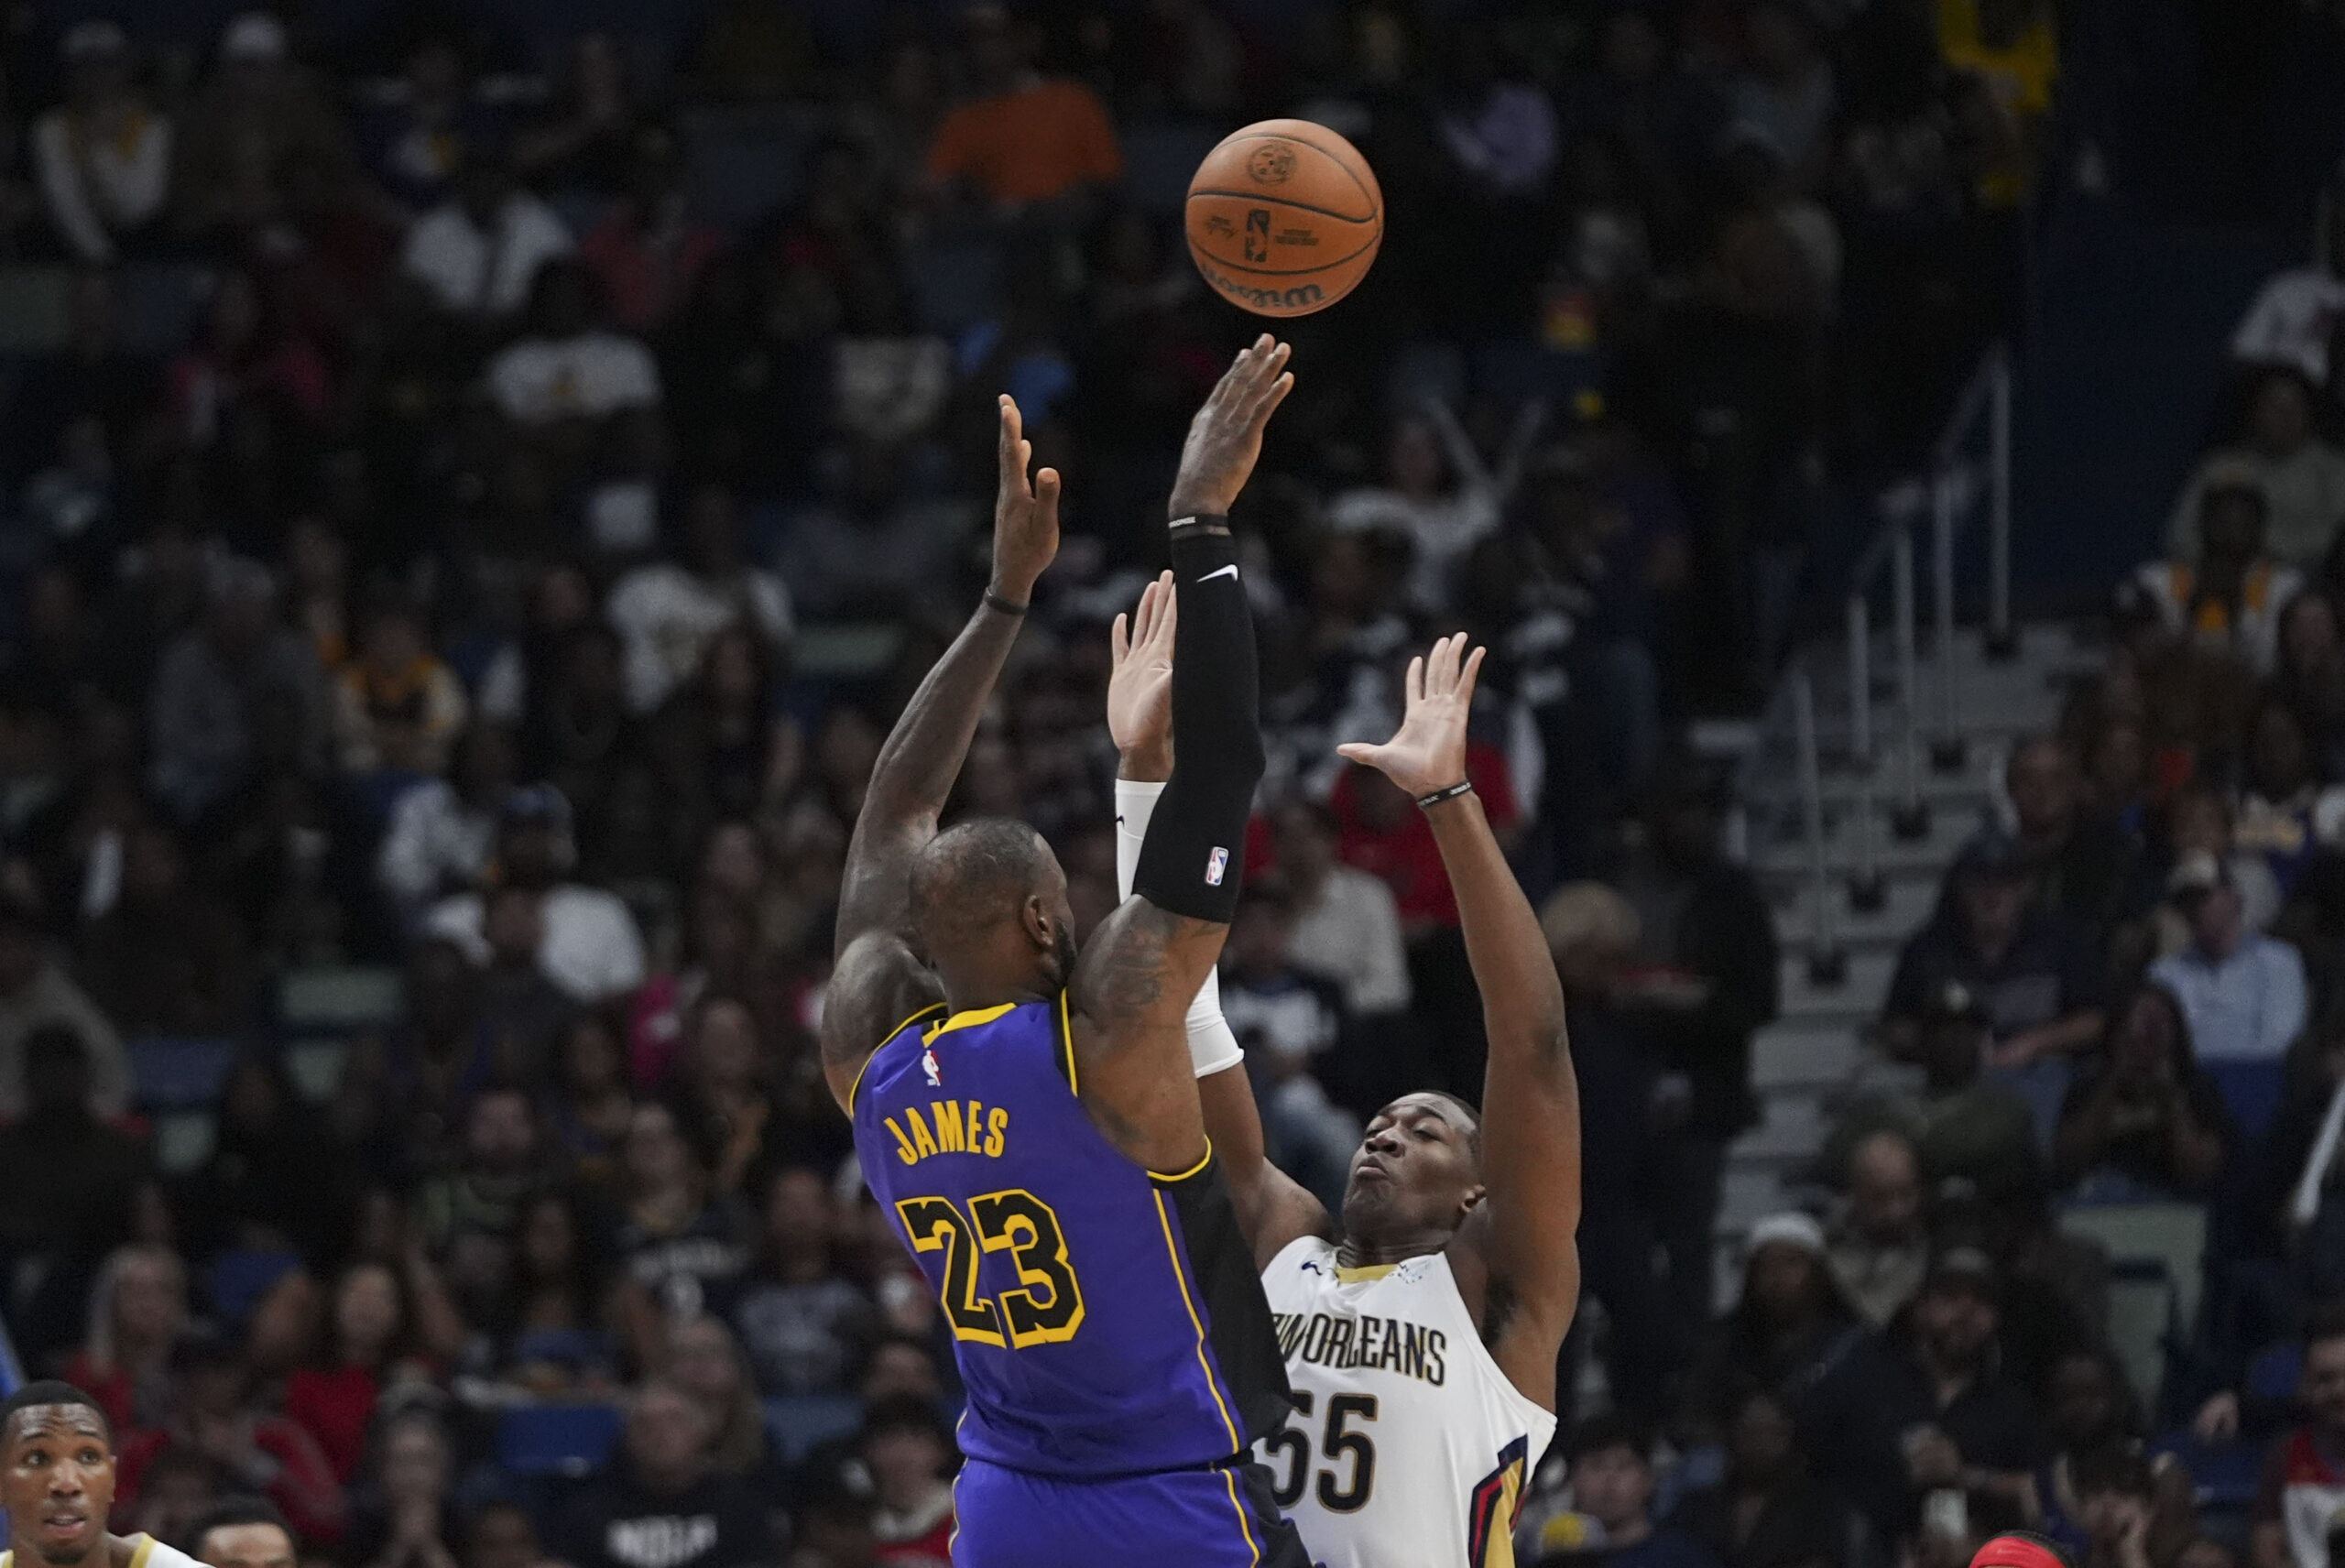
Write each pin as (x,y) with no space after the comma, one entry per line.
(1284,217)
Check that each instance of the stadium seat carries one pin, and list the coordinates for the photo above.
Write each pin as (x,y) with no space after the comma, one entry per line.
(2250,1092)
(169,1074)
(797,1423)
(240,1278)
(556,1439)
(2272,1372)
(1159,159)
(954,283)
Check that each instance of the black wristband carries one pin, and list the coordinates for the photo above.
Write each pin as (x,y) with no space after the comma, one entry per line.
(1199,523)
(1463,787)
(1007,606)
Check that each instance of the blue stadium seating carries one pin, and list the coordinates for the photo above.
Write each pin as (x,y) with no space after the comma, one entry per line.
(557,1440)
(174,1075)
(796,1425)
(239,1280)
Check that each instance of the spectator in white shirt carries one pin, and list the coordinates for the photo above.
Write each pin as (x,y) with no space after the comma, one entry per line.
(2243,993)
(568,368)
(1437,493)
(2301,476)
(103,157)
(1345,926)
(443,832)
(477,253)
(2290,321)
(590,949)
(668,613)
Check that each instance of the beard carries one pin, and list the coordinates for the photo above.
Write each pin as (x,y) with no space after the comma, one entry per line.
(1059,968)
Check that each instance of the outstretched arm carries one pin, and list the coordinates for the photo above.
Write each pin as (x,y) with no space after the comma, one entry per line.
(876,979)
(1272,1209)
(1517,1256)
(1139,973)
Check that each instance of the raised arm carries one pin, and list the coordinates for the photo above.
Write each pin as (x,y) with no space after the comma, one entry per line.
(1272,1209)
(876,979)
(1517,1256)
(1140,970)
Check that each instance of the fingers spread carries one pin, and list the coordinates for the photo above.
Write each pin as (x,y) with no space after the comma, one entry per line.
(1473,668)
(1416,686)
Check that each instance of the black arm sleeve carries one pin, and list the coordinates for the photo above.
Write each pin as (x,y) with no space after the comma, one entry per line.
(1196,852)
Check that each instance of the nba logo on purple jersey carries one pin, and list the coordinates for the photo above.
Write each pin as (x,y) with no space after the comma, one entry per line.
(1217,864)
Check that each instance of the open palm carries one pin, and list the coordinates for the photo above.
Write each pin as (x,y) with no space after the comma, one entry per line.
(1140,683)
(1428,752)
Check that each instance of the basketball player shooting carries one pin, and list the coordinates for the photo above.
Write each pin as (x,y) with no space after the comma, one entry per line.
(1026,1113)
(57,1476)
(1421,1326)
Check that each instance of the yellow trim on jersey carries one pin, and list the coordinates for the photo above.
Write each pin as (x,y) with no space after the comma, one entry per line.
(969,1019)
(1066,1047)
(145,1549)
(1180,1275)
(1360,1273)
(1192,1171)
(1229,1479)
(1498,1550)
(851,1089)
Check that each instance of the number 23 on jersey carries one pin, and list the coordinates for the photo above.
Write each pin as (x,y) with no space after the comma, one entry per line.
(1044,1308)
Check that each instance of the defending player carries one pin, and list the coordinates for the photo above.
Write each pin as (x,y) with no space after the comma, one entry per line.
(1421,1331)
(56,1478)
(1027,1114)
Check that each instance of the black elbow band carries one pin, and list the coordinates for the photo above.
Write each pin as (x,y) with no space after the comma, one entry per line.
(1194,856)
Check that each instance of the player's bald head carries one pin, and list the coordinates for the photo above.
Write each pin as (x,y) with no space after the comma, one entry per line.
(987,895)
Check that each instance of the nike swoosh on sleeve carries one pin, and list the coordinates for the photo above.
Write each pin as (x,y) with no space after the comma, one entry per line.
(1230,570)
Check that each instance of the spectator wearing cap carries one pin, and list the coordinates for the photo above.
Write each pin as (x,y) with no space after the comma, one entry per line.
(591,948)
(102,157)
(2041,983)
(647,251)
(2242,995)
(37,993)
(2301,476)
(1789,1328)
(1612,1487)
(1926,1406)
(1968,1128)
(238,691)
(2142,1124)
(216,1415)
(2228,593)
(476,254)
(1879,1246)
(2199,836)
(261,124)
(2303,1487)
(1701,980)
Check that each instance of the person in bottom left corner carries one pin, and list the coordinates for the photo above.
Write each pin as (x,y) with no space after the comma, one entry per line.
(57,1472)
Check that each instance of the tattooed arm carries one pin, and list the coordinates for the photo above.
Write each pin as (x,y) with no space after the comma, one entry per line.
(877,980)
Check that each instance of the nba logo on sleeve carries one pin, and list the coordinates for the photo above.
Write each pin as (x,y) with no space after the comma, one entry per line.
(1217,864)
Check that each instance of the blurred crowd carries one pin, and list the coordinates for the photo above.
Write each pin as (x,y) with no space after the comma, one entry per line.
(475,504)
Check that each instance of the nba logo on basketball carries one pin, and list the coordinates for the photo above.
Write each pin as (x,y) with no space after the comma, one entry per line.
(1216,864)
(1257,233)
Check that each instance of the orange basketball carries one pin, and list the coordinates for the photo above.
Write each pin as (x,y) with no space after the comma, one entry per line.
(1284,217)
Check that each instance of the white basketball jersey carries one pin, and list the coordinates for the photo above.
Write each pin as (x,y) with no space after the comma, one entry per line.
(146,1553)
(1408,1447)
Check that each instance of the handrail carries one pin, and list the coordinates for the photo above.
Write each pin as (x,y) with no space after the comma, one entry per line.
(1950,495)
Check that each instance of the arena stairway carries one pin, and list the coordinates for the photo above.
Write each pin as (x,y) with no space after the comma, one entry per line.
(1813,1057)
